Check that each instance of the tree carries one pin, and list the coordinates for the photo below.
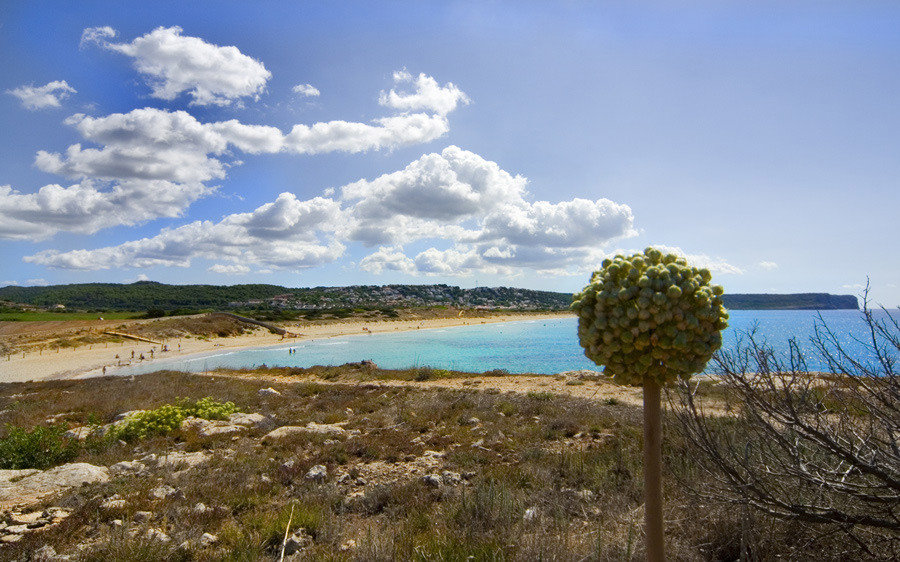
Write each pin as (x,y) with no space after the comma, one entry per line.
(819,448)
(650,319)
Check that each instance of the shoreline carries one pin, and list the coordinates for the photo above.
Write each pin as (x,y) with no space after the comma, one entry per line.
(81,363)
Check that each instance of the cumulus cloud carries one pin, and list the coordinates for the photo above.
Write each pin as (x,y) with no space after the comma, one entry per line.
(96,35)
(306,90)
(151,163)
(477,212)
(768,265)
(233,269)
(85,208)
(41,97)
(287,233)
(428,95)
(174,64)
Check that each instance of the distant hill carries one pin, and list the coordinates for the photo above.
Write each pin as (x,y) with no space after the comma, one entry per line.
(799,301)
(149,295)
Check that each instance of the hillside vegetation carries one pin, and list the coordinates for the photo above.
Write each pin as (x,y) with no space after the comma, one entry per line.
(162,298)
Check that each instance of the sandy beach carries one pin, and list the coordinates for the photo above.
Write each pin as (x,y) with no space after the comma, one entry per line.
(89,360)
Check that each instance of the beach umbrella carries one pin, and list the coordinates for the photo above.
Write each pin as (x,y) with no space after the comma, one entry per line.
(650,319)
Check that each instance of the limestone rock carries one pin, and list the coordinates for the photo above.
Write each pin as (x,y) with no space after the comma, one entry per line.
(255,421)
(208,428)
(432,480)
(35,486)
(268,392)
(208,539)
(165,492)
(317,473)
(143,516)
(128,467)
(297,542)
(157,535)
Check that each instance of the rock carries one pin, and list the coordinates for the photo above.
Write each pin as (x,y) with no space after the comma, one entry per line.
(433,455)
(288,465)
(115,502)
(9,539)
(125,415)
(207,428)
(530,514)
(432,480)
(117,523)
(201,508)
(208,539)
(35,486)
(471,421)
(297,542)
(80,433)
(283,432)
(178,459)
(360,481)
(47,554)
(255,421)
(143,516)
(165,492)
(128,467)
(325,429)
(157,535)
(349,545)
(26,518)
(268,392)
(317,473)
(450,478)
(16,529)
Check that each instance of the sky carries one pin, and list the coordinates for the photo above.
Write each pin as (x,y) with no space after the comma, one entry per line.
(469,143)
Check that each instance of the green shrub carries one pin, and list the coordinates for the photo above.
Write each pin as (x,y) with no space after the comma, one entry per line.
(168,418)
(41,448)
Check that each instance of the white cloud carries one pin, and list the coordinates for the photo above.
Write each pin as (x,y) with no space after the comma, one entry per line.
(174,64)
(96,35)
(431,195)
(41,97)
(306,90)
(428,95)
(235,269)
(85,208)
(478,212)
(854,286)
(286,233)
(768,265)
(40,282)
(9,283)
(715,265)
(142,277)
(387,258)
(150,163)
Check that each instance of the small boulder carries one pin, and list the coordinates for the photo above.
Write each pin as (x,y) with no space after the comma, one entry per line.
(432,480)
(317,473)
(297,542)
(255,421)
(268,392)
(157,535)
(165,492)
(208,539)
(127,467)
(143,516)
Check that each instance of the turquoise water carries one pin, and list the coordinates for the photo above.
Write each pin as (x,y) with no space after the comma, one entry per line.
(535,346)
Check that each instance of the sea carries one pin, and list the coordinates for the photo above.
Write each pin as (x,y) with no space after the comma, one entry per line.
(540,346)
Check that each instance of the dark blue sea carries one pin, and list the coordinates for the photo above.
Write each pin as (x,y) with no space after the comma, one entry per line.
(533,346)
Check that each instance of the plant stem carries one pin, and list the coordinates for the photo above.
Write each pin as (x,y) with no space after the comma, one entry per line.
(653,498)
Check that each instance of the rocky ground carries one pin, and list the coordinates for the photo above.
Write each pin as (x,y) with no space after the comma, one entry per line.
(348,464)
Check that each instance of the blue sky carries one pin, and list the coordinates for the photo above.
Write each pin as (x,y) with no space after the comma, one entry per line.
(497,143)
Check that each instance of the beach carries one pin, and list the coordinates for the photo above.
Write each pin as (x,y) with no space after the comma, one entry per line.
(89,360)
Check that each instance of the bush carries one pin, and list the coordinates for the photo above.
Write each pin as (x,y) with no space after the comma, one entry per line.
(41,448)
(168,417)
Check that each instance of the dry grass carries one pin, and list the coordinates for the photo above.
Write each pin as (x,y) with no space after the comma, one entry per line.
(542,477)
